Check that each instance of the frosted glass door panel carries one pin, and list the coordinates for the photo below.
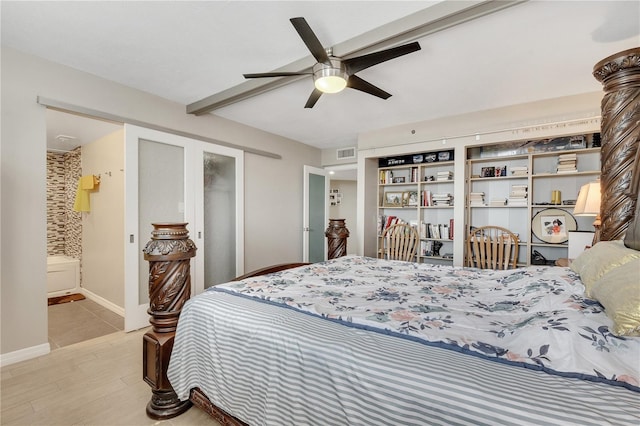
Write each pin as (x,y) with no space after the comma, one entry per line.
(317,225)
(219,174)
(161,197)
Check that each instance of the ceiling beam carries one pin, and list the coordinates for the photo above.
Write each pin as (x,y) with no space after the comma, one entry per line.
(433,19)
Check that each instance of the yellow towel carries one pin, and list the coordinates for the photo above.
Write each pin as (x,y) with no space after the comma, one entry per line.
(81,203)
(88,181)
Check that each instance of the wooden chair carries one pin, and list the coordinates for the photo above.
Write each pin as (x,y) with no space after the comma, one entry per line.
(492,247)
(399,242)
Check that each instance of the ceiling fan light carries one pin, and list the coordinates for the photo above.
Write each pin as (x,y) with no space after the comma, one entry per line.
(330,84)
(330,79)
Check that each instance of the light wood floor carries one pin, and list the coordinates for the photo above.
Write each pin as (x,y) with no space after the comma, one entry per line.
(95,382)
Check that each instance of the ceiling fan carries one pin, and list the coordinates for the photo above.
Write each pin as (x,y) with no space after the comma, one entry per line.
(332,74)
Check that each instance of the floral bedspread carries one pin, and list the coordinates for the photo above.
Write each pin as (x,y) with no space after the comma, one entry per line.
(535,317)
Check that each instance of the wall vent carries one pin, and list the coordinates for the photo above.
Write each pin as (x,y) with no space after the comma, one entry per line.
(346,153)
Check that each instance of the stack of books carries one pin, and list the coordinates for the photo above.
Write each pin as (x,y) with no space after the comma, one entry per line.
(518,195)
(567,163)
(519,170)
(476,199)
(442,199)
(444,176)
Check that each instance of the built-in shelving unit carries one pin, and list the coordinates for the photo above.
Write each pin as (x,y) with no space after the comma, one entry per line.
(420,192)
(531,193)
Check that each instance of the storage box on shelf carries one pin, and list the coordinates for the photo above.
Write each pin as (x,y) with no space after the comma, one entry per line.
(422,195)
(531,193)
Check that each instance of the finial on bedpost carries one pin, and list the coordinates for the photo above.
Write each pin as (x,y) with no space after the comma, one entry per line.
(337,234)
(169,254)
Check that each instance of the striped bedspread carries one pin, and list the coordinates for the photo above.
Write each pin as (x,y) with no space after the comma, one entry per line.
(272,365)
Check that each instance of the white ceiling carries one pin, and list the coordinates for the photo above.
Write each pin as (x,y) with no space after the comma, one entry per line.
(185,51)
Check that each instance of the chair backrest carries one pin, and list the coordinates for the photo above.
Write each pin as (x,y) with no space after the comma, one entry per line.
(492,247)
(399,242)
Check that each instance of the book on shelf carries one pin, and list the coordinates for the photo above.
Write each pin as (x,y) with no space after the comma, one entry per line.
(567,163)
(476,199)
(414,174)
(386,221)
(442,199)
(386,176)
(519,170)
(498,202)
(569,156)
(442,176)
(426,198)
(518,195)
(437,231)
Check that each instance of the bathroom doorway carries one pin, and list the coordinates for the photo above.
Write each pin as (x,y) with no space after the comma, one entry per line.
(76,256)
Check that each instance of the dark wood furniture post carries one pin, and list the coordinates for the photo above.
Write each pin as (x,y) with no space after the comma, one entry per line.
(169,254)
(620,134)
(337,234)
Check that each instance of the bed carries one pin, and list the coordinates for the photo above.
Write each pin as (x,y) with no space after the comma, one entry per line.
(357,340)
(362,341)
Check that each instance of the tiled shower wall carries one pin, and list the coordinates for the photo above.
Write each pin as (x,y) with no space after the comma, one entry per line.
(64,226)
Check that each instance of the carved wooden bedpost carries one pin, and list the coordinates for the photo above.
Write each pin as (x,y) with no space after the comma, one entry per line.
(620,76)
(336,234)
(169,253)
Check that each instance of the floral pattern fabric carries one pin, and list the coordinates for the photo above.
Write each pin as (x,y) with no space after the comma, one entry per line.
(536,316)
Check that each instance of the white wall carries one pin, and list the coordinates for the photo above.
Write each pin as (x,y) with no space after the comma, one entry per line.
(103,226)
(273,222)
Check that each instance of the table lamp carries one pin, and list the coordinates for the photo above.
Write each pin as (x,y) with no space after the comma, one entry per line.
(588,204)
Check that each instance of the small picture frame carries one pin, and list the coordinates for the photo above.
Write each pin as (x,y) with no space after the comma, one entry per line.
(488,172)
(393,199)
(410,198)
(398,179)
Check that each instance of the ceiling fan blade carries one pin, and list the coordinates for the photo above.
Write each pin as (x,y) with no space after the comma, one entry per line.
(274,74)
(315,95)
(365,61)
(357,83)
(310,39)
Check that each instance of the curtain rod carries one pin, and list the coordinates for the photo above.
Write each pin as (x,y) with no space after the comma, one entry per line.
(91,113)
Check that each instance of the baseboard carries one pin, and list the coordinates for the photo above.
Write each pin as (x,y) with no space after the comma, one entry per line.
(103,302)
(24,354)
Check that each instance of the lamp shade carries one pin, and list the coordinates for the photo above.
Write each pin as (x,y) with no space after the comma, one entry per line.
(588,203)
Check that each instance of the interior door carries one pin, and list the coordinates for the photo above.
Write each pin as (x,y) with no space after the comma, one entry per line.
(315,214)
(220,222)
(158,188)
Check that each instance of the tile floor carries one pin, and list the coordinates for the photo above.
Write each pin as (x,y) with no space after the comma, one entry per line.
(94,382)
(81,320)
